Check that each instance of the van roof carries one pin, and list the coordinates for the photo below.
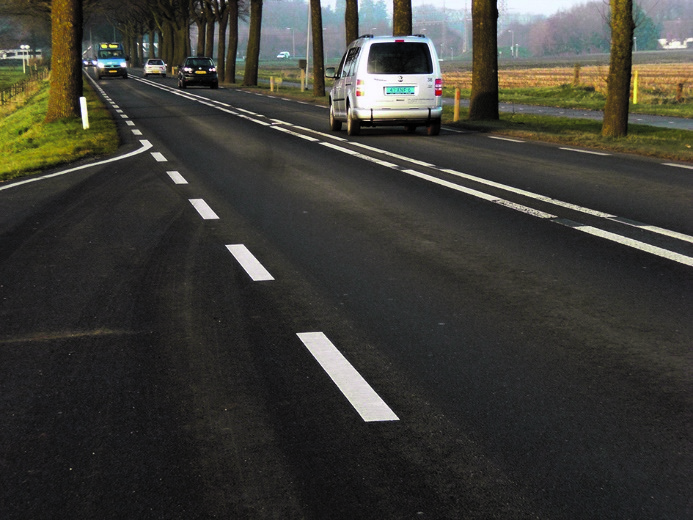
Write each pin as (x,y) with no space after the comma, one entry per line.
(411,36)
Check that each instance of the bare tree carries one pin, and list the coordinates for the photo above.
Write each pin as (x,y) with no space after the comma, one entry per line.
(318,55)
(252,58)
(483,102)
(66,66)
(220,10)
(234,14)
(401,17)
(199,18)
(211,28)
(351,20)
(620,65)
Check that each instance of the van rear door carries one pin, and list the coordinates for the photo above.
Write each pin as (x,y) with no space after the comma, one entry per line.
(401,73)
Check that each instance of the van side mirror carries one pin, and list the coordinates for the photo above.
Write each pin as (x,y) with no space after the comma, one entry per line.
(330,72)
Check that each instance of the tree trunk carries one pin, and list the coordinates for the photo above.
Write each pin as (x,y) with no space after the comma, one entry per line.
(209,39)
(66,63)
(232,49)
(181,43)
(318,55)
(221,44)
(351,20)
(401,18)
(166,45)
(252,58)
(483,103)
(620,65)
(201,36)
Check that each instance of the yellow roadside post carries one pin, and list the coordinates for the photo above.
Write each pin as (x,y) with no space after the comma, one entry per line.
(456,117)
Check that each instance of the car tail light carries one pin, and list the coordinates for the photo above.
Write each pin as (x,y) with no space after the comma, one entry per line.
(360,87)
(439,87)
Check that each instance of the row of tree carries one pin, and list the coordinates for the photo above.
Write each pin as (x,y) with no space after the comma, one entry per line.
(172,20)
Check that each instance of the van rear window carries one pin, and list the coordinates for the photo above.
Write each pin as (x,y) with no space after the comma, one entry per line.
(399,58)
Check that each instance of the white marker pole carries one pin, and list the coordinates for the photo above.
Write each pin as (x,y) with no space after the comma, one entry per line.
(85,115)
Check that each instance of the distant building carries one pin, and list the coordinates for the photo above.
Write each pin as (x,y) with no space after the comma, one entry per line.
(669,45)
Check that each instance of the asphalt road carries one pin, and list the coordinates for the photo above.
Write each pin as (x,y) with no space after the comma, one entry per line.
(246,316)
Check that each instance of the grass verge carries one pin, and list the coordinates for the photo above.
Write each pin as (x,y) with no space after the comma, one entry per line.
(29,145)
(662,143)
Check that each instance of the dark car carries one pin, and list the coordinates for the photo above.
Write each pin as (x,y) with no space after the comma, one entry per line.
(198,71)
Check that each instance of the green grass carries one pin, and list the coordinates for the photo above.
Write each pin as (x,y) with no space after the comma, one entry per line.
(28,144)
(10,75)
(645,140)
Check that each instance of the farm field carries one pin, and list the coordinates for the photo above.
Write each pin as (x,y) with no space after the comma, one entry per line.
(663,82)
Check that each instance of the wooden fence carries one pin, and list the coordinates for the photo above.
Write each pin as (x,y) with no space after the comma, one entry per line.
(8,94)
(661,79)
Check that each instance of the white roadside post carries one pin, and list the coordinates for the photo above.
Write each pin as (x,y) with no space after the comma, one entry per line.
(85,115)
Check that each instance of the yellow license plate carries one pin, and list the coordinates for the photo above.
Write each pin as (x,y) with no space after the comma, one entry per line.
(200,72)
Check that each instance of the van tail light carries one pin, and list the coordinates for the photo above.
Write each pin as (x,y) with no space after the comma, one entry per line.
(359,87)
(439,87)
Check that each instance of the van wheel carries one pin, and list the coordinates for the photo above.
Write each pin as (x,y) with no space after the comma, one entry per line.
(335,125)
(434,127)
(353,125)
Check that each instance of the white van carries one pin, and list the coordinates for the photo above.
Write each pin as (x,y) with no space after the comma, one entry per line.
(387,80)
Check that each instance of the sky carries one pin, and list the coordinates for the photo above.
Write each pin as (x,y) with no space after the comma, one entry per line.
(546,7)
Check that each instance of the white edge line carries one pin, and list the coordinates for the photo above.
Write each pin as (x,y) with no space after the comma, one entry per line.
(505,139)
(584,151)
(674,165)
(146,145)
(359,393)
(634,244)
(249,263)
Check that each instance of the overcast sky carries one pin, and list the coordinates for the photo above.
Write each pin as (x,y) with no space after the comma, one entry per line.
(539,6)
(546,7)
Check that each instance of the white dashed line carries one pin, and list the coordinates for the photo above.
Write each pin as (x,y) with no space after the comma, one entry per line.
(203,209)
(252,266)
(176,177)
(159,157)
(362,397)
(282,126)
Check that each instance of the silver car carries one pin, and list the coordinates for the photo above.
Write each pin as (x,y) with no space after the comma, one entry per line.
(155,66)
(387,80)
